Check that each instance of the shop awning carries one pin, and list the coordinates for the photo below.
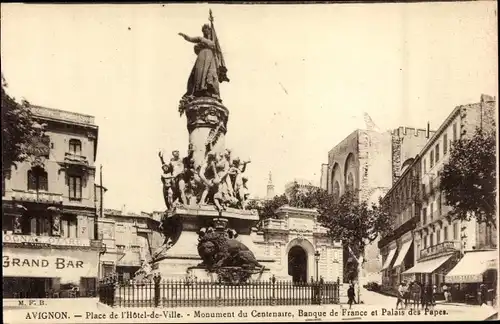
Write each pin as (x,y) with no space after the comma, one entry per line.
(388,261)
(471,267)
(428,266)
(402,253)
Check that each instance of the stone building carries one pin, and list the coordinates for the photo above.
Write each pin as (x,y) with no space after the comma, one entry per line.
(397,249)
(48,206)
(440,241)
(126,236)
(370,161)
(298,246)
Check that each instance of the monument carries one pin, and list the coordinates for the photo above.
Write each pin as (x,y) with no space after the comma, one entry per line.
(207,230)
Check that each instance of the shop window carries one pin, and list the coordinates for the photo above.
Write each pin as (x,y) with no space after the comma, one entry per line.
(75,187)
(75,146)
(38,179)
(88,287)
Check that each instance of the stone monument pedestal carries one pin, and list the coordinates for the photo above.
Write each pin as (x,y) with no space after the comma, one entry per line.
(183,258)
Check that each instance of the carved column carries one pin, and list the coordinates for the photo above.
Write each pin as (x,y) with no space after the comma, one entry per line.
(55,214)
(206,123)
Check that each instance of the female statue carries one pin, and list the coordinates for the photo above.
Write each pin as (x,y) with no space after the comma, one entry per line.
(204,79)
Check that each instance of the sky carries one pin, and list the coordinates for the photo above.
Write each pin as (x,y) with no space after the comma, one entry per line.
(302,76)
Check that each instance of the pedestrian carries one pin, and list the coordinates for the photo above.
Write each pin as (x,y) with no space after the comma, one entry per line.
(446,293)
(401,291)
(350,295)
(483,292)
(434,293)
(428,297)
(416,293)
(423,296)
(406,294)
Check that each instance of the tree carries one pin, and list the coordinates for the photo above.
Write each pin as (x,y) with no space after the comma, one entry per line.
(267,208)
(468,180)
(355,223)
(18,129)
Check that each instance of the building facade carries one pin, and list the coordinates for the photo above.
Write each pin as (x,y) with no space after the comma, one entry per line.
(397,249)
(49,211)
(370,161)
(126,237)
(441,241)
(299,245)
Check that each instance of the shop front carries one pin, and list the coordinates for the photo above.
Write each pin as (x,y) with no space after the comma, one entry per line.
(431,272)
(49,272)
(474,278)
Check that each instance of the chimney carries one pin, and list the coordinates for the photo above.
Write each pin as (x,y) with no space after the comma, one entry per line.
(428,130)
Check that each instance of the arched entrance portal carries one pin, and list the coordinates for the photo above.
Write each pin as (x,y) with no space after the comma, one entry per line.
(297,264)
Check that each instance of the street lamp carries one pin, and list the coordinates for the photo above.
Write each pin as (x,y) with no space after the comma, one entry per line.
(316,257)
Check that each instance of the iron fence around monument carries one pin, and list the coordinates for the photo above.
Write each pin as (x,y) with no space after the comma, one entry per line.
(183,293)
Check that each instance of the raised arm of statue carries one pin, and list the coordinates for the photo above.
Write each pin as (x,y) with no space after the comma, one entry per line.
(198,39)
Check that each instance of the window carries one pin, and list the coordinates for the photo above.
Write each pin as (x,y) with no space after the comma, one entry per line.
(445,233)
(75,146)
(439,205)
(432,159)
(455,231)
(424,163)
(425,241)
(107,269)
(68,226)
(431,239)
(437,153)
(432,211)
(445,144)
(38,179)
(424,216)
(438,237)
(455,132)
(75,187)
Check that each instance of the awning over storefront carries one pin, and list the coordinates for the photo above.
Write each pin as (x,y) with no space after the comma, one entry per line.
(428,266)
(471,267)
(388,261)
(402,253)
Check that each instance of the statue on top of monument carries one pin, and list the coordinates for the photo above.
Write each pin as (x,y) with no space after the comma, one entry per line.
(209,69)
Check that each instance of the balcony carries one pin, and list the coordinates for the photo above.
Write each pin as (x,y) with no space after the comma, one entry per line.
(74,158)
(443,247)
(37,196)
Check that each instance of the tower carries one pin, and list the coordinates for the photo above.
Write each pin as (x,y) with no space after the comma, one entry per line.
(270,187)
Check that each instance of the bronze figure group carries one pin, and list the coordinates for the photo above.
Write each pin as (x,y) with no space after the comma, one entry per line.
(219,180)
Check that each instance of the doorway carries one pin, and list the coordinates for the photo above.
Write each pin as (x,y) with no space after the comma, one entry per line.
(297,264)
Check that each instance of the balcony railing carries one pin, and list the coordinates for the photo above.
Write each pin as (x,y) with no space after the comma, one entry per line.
(75,158)
(448,246)
(36,196)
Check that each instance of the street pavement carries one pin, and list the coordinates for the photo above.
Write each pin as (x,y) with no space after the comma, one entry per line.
(375,307)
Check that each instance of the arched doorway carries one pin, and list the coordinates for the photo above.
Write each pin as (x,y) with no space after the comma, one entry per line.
(297,264)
